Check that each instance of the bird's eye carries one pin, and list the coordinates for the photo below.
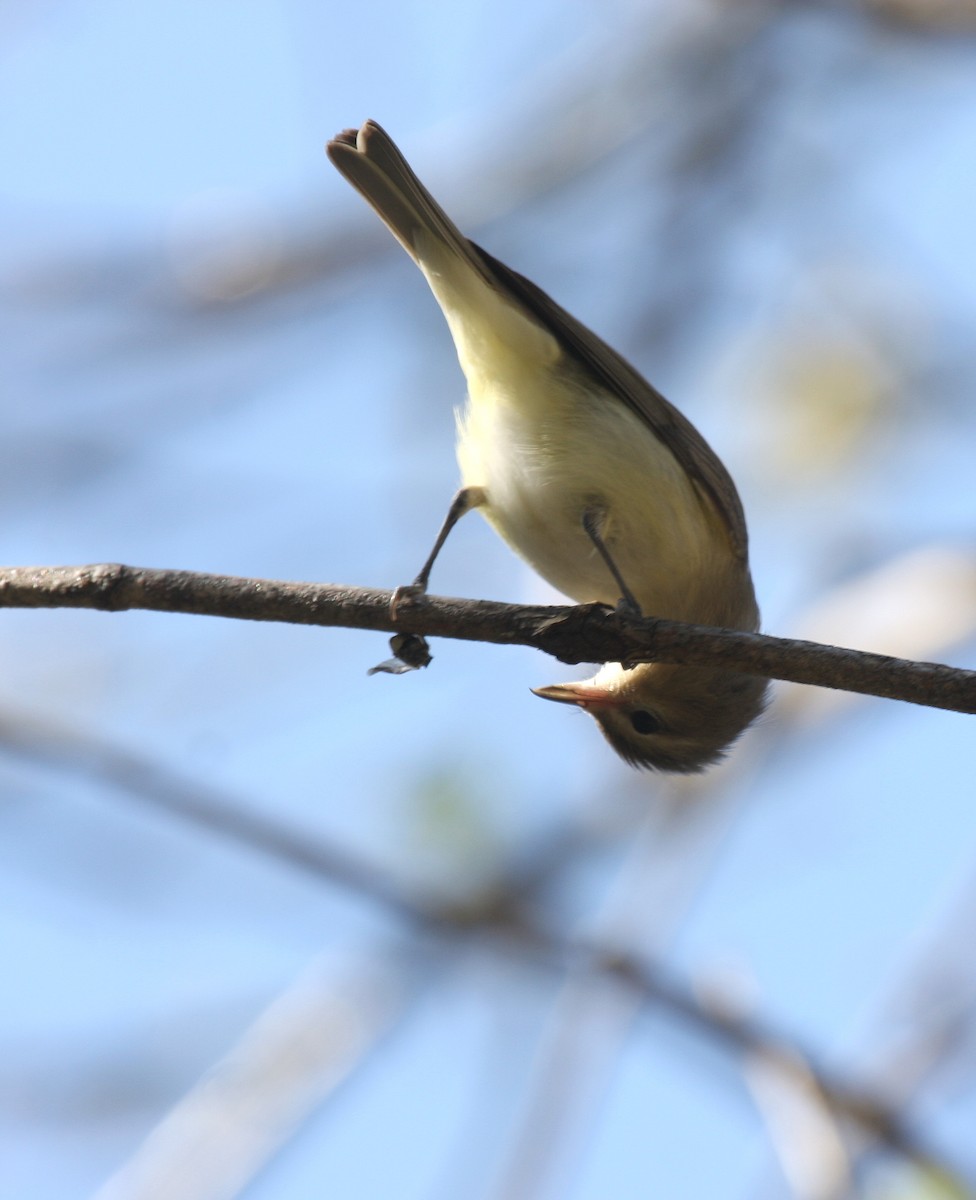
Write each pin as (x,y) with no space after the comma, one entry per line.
(645,722)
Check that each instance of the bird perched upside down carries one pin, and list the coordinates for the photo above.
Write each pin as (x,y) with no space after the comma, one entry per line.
(587,472)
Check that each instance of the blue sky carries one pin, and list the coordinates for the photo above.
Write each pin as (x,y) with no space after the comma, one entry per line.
(307,434)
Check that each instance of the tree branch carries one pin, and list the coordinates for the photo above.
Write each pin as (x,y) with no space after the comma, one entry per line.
(587,633)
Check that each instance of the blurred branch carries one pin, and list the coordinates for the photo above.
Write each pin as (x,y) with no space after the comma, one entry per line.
(957,16)
(571,1075)
(754,1039)
(560,121)
(707,63)
(217,1137)
(805,1133)
(497,912)
(587,633)
(165,790)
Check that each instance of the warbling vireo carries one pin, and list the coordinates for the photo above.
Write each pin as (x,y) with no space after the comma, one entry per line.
(586,471)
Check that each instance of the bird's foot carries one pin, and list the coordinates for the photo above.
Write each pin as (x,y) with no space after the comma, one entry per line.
(405,595)
(627,609)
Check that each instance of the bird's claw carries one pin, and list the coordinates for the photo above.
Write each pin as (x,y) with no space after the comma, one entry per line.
(406,594)
(627,609)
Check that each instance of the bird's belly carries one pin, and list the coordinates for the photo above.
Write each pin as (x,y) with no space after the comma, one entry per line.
(542,467)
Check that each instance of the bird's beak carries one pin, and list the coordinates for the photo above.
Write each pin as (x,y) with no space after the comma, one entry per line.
(583,694)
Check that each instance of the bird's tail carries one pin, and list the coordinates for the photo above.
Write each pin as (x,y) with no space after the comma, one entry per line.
(492,323)
(370,160)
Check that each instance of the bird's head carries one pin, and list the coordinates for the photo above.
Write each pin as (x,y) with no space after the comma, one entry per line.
(666,717)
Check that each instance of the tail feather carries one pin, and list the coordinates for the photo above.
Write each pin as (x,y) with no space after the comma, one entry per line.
(369,159)
(492,328)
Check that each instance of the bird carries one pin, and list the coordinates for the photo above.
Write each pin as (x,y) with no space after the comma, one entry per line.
(596,480)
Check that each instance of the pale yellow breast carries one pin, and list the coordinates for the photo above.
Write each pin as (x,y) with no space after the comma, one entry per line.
(544,450)
(544,445)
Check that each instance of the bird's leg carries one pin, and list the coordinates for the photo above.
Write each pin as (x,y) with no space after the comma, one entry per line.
(594,519)
(463,502)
